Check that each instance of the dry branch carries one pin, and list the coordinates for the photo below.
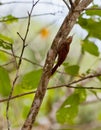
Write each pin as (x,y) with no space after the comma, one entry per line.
(60,86)
(19,62)
(62,34)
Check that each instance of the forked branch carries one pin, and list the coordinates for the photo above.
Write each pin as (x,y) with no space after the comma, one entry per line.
(19,63)
(62,34)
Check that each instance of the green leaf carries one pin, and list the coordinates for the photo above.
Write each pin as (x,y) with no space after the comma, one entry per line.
(25,111)
(69,109)
(99,78)
(5,85)
(6,42)
(5,45)
(90,47)
(31,79)
(91,25)
(94,11)
(72,70)
(82,93)
(6,38)
(3,57)
(9,19)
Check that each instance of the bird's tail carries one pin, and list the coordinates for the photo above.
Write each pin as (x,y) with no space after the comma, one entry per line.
(54,69)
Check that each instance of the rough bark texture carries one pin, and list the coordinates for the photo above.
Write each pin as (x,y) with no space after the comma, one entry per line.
(62,34)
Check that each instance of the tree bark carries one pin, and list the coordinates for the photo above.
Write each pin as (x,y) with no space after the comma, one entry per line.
(62,34)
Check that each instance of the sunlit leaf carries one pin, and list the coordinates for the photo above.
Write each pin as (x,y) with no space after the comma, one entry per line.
(72,70)
(25,111)
(90,47)
(6,38)
(9,19)
(94,11)
(6,42)
(5,85)
(82,93)
(69,109)
(5,45)
(3,57)
(91,25)
(99,78)
(99,116)
(30,80)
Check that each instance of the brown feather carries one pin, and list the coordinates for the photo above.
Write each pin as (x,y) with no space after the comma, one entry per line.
(62,53)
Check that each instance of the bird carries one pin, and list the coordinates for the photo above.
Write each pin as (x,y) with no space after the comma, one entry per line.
(62,53)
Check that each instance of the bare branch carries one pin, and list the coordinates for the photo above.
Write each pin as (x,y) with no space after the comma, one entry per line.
(15,2)
(34,15)
(20,36)
(14,56)
(62,34)
(71,3)
(34,63)
(66,4)
(20,61)
(60,86)
(50,88)
(10,62)
(30,2)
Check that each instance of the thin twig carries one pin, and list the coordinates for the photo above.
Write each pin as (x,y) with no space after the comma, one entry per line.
(10,95)
(62,34)
(26,33)
(16,2)
(17,96)
(34,15)
(66,4)
(19,62)
(60,86)
(34,63)
(10,62)
(44,14)
(50,88)
(29,2)
(14,56)
(71,3)
(20,36)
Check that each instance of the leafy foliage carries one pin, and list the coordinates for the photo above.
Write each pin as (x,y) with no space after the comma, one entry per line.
(90,21)
(6,42)
(5,85)
(94,11)
(69,109)
(90,47)
(72,70)
(9,19)
(91,25)
(7,39)
(31,79)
